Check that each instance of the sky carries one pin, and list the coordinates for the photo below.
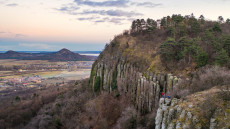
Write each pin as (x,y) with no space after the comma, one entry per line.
(87,25)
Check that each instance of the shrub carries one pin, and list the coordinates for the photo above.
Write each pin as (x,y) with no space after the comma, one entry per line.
(131,123)
(207,78)
(224,95)
(17,98)
(58,123)
(208,108)
(110,109)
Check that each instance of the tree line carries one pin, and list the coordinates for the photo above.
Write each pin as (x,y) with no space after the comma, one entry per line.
(190,39)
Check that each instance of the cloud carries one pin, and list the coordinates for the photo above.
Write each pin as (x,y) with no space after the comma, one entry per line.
(117,20)
(19,35)
(117,13)
(147,4)
(116,16)
(108,3)
(72,11)
(69,9)
(2,1)
(115,3)
(12,35)
(87,18)
(12,5)
(35,45)
(102,20)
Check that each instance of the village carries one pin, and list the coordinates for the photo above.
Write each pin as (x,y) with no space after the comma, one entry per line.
(40,75)
(21,81)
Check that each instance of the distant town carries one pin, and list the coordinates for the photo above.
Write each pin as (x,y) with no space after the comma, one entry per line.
(28,74)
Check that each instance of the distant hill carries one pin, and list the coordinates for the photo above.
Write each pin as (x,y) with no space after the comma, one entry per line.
(62,55)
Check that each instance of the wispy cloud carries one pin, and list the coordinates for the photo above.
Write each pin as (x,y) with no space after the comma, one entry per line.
(111,16)
(69,9)
(108,3)
(12,5)
(72,10)
(87,18)
(2,1)
(12,35)
(35,45)
(147,4)
(117,13)
(19,35)
(105,19)
(117,20)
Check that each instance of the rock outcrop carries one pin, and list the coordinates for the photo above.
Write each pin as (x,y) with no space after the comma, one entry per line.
(143,88)
(188,113)
(114,72)
(170,115)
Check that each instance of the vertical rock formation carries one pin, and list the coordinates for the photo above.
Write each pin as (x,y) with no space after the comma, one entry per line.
(170,115)
(143,88)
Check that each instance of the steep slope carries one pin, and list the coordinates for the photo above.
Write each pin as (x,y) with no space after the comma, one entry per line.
(114,73)
(141,64)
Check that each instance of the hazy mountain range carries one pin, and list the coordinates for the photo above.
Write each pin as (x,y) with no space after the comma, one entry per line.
(62,55)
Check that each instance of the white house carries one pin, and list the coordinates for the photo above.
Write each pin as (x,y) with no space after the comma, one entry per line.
(158,24)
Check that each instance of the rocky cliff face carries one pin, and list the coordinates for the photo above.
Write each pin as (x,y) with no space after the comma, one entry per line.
(115,74)
(170,115)
(188,113)
(142,88)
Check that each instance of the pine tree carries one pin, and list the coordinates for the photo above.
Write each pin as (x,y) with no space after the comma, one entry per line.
(167,49)
(221,58)
(226,44)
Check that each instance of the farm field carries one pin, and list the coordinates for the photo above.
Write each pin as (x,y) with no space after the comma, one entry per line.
(13,62)
(41,73)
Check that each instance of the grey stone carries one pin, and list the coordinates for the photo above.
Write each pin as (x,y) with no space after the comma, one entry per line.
(171,126)
(185,126)
(213,123)
(174,102)
(165,118)
(195,120)
(159,118)
(178,125)
(167,102)
(171,115)
(189,115)
(190,106)
(179,109)
(165,107)
(182,115)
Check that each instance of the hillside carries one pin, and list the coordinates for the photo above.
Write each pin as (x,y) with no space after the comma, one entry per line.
(62,55)
(180,56)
